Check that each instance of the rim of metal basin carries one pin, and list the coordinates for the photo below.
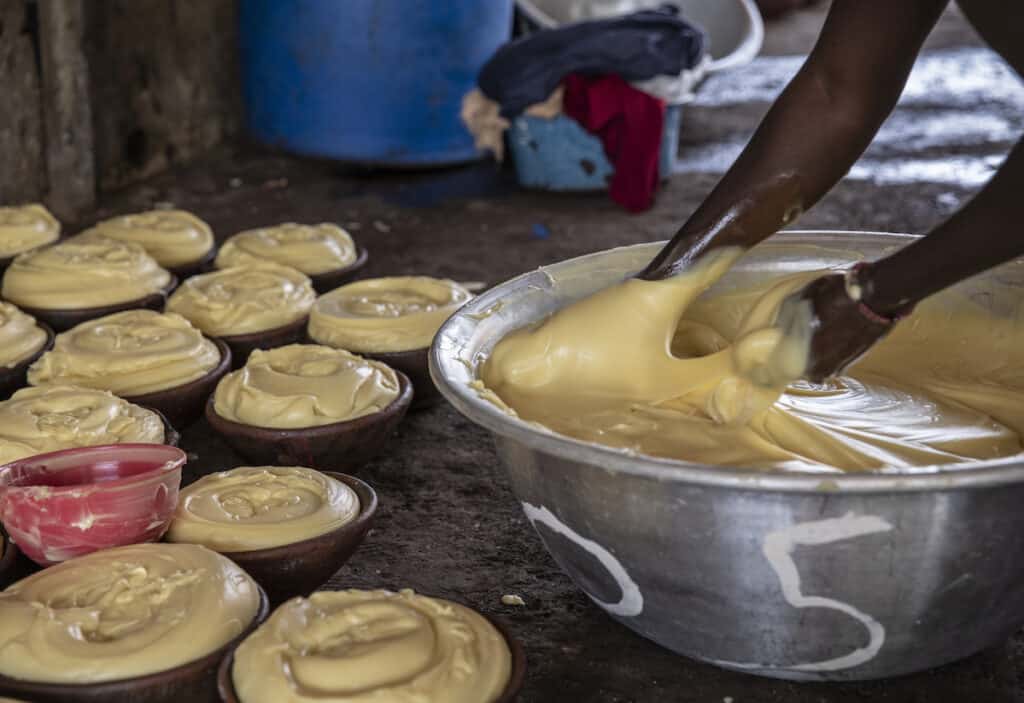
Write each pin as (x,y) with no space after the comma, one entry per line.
(452,373)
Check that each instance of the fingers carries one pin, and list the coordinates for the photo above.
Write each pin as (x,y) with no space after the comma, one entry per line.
(841,330)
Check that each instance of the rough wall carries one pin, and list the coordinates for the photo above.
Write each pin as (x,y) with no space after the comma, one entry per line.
(164,83)
(22,164)
(160,76)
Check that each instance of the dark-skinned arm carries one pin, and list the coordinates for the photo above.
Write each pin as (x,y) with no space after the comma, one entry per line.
(850,313)
(986,232)
(814,132)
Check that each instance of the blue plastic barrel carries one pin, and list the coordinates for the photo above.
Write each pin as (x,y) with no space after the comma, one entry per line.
(366,81)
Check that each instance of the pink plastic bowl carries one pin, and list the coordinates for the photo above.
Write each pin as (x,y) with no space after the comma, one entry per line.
(65,504)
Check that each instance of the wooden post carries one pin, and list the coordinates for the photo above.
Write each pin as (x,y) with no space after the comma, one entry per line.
(67,113)
(22,166)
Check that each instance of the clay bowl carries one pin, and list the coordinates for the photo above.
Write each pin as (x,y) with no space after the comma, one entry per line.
(415,364)
(226,686)
(243,344)
(64,504)
(341,445)
(329,280)
(299,568)
(13,378)
(192,268)
(182,405)
(63,319)
(194,682)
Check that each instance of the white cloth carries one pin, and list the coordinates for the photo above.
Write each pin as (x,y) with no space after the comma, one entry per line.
(676,90)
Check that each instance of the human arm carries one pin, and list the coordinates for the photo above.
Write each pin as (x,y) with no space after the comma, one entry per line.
(816,130)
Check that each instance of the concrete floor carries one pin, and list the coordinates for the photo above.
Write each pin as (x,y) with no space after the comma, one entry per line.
(449,525)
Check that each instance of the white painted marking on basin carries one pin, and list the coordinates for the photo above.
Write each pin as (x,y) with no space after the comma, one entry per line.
(778,549)
(632,601)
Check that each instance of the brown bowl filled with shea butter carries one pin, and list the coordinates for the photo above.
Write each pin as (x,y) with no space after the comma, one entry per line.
(290,528)
(80,279)
(347,445)
(325,252)
(194,579)
(309,405)
(493,673)
(158,360)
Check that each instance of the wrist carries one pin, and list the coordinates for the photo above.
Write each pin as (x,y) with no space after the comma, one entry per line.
(862,287)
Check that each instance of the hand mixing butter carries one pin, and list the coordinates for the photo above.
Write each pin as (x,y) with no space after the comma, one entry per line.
(670,369)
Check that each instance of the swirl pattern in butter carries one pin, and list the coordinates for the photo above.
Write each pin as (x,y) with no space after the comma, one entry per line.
(244,299)
(312,249)
(304,385)
(172,237)
(122,613)
(397,313)
(26,227)
(83,273)
(49,418)
(257,507)
(372,647)
(20,336)
(128,353)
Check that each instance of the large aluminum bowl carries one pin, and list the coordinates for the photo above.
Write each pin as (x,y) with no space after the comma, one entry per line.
(797,576)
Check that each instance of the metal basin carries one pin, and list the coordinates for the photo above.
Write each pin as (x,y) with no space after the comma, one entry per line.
(796,576)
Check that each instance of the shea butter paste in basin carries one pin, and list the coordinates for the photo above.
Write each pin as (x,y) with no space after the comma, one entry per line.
(670,369)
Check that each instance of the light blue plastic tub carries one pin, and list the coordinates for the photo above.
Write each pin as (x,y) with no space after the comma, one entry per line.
(558,154)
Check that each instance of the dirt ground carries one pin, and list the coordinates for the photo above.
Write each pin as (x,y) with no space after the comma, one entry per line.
(449,524)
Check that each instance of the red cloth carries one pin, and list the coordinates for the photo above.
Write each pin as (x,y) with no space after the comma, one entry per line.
(630,124)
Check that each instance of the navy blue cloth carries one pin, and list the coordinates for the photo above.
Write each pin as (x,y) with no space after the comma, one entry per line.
(635,47)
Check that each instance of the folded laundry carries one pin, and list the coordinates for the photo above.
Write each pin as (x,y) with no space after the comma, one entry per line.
(630,124)
(636,47)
